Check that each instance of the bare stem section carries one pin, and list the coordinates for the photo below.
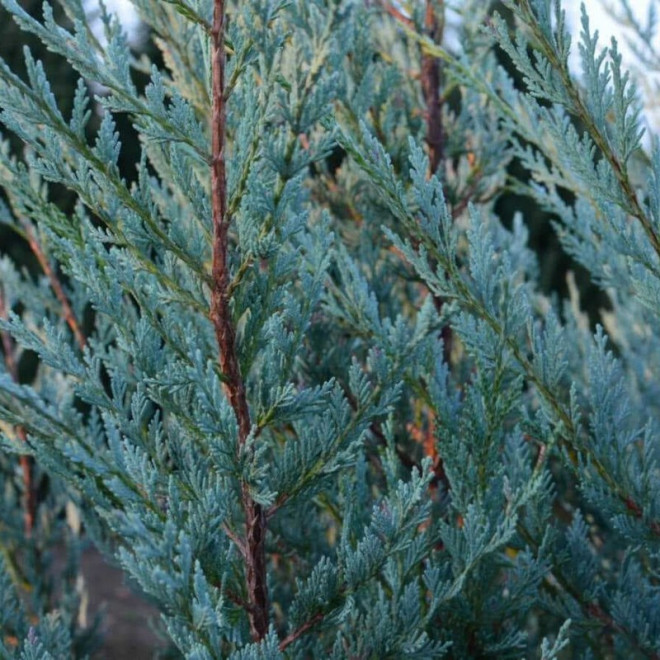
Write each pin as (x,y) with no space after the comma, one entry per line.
(431,79)
(255,519)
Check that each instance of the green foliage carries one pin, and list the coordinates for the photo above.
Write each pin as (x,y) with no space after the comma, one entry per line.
(447,462)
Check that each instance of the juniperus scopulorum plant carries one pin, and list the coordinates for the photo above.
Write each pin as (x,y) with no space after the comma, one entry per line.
(323,410)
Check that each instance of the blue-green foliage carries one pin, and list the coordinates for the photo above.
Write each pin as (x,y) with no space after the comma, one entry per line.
(493,496)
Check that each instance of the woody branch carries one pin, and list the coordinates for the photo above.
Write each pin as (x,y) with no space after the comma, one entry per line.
(255,518)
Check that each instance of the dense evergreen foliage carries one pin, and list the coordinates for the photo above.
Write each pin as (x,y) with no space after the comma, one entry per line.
(295,374)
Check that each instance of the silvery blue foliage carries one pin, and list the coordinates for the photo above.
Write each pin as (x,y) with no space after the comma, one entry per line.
(450,463)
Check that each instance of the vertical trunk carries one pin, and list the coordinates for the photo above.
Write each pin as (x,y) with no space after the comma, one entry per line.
(255,519)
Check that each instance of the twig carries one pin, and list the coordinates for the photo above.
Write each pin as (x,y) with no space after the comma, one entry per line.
(56,285)
(435,136)
(289,639)
(591,609)
(255,519)
(26,462)
(431,77)
(467,196)
(238,542)
(9,350)
(397,13)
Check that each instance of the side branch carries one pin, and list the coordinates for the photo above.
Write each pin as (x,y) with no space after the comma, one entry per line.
(255,519)
(299,632)
(398,14)
(9,352)
(56,285)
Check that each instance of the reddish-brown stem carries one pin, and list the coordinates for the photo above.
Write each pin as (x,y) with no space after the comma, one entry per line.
(431,78)
(398,14)
(30,496)
(431,75)
(435,138)
(289,639)
(220,314)
(56,285)
(30,492)
(30,501)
